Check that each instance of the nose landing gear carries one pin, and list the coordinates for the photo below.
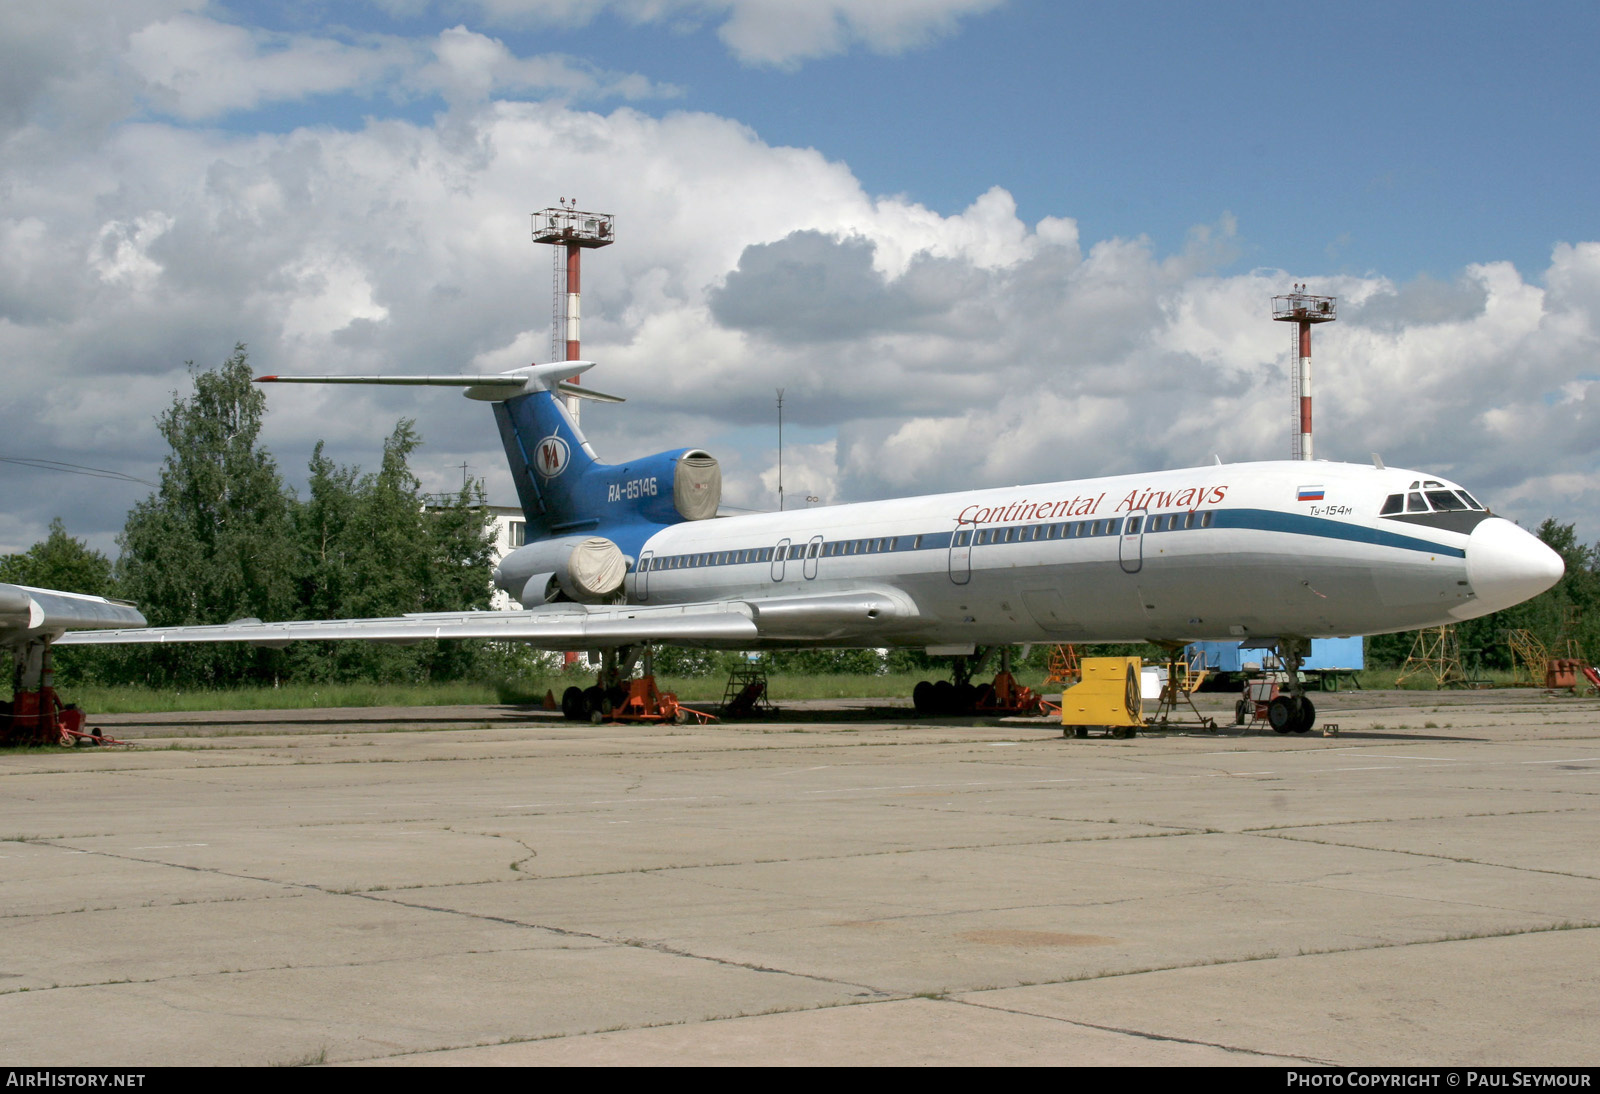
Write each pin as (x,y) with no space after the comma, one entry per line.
(1292,713)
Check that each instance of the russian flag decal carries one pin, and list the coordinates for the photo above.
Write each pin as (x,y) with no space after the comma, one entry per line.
(1310,493)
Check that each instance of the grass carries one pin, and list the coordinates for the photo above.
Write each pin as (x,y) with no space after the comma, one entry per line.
(142,700)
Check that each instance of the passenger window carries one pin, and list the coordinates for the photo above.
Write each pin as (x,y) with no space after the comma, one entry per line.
(961,538)
(1133,525)
(1205,519)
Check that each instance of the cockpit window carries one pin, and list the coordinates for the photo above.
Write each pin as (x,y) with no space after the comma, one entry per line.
(1470,500)
(1415,504)
(1392,504)
(1446,501)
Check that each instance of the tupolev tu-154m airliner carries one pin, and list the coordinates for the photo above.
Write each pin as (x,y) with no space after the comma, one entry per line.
(623,556)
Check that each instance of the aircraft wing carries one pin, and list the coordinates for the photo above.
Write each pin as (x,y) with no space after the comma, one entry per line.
(29,613)
(856,616)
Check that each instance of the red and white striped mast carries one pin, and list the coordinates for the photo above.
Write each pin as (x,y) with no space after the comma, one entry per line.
(570,229)
(1303,310)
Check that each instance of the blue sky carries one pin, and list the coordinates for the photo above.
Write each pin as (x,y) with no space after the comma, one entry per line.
(1402,138)
(977,242)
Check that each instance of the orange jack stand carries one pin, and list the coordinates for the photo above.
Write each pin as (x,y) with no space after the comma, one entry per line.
(647,703)
(1006,696)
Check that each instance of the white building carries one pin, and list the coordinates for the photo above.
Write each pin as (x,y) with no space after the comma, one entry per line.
(510,532)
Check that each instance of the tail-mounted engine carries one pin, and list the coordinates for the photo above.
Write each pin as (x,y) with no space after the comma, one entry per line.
(588,569)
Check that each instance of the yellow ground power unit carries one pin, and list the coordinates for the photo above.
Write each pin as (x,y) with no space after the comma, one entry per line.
(1109,695)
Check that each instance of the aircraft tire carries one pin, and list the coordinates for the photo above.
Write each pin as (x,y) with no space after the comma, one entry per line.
(1281,715)
(922,697)
(572,707)
(1308,717)
(966,696)
(591,699)
(944,697)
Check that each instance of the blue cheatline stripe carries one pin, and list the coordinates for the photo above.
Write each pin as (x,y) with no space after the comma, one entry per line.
(1260,520)
(1268,520)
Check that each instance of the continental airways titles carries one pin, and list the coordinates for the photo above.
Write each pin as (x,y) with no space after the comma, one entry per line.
(1190,498)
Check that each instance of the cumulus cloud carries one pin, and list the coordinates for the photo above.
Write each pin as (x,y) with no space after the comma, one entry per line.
(780,33)
(195,67)
(469,67)
(170,58)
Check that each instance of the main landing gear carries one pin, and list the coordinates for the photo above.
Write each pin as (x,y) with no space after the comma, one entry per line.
(1002,695)
(35,715)
(619,697)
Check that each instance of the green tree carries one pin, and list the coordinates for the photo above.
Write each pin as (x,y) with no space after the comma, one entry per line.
(59,562)
(213,542)
(372,546)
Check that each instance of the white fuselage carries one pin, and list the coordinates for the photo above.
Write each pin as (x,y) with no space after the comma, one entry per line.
(1220,552)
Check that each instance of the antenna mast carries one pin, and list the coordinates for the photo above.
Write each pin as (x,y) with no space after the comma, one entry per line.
(780,450)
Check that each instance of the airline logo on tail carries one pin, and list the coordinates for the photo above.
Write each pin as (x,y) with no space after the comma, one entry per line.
(551,456)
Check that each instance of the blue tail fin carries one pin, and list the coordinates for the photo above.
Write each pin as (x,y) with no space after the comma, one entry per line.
(565,489)
(549,458)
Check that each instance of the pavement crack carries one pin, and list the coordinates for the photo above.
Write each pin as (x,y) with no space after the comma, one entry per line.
(1142,1034)
(631,943)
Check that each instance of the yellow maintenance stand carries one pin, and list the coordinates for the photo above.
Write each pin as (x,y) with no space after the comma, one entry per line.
(1108,695)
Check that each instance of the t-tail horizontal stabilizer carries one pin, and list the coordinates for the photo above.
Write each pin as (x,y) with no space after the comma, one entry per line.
(487,387)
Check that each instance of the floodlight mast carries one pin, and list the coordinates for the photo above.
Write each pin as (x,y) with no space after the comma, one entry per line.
(1303,310)
(569,228)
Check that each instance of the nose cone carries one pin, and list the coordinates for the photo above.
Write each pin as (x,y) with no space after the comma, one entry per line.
(1507,565)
